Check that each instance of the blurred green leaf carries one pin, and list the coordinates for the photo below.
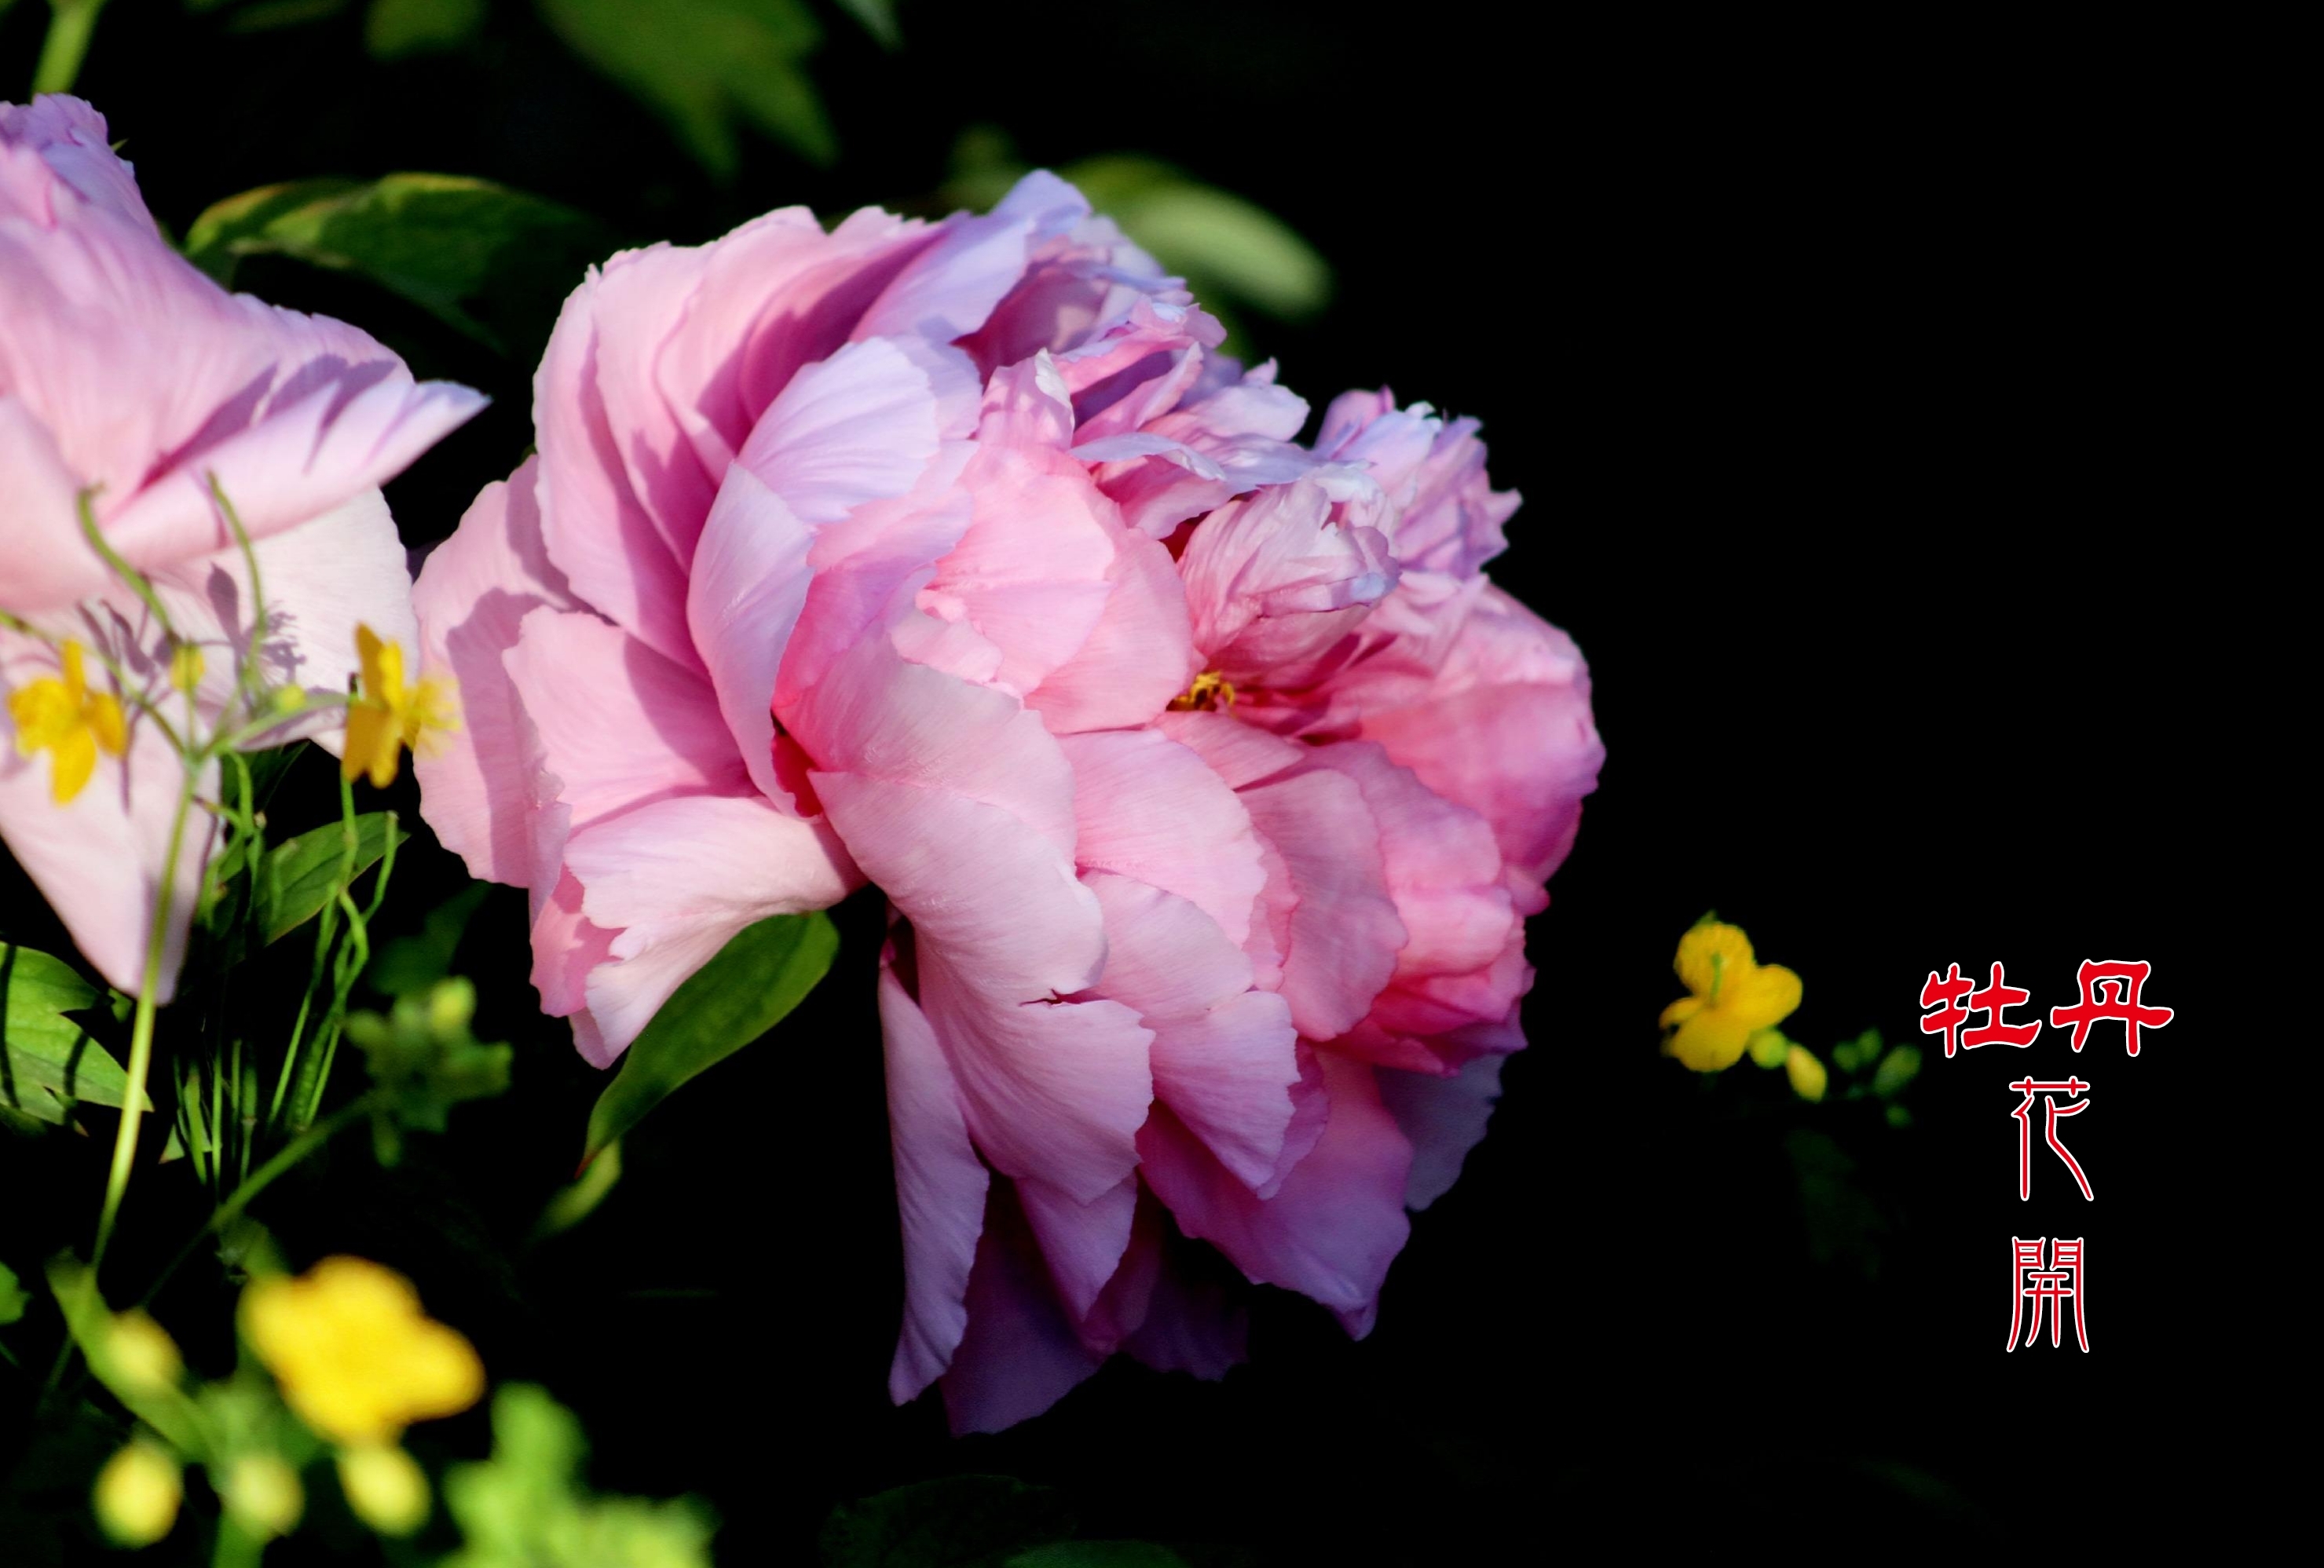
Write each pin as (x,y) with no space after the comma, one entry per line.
(1099,1554)
(394,29)
(47,1061)
(957,1521)
(424,1062)
(878,18)
(12,1299)
(708,64)
(1843,1224)
(756,980)
(577,1199)
(413,963)
(266,15)
(1896,1069)
(492,262)
(1221,244)
(1856,1055)
(527,1507)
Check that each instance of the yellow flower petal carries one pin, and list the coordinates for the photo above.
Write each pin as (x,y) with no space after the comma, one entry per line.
(1710,955)
(356,1358)
(1710,1041)
(1808,1079)
(76,759)
(372,742)
(108,723)
(1763,997)
(1680,1011)
(43,714)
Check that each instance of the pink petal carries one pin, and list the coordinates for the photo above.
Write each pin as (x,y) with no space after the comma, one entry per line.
(1149,808)
(1137,658)
(1337,1223)
(940,1189)
(677,878)
(474,592)
(1444,1119)
(619,726)
(99,859)
(1083,1242)
(1020,1354)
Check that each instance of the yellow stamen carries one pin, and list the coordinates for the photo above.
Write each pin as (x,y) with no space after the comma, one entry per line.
(1211,690)
(65,716)
(387,715)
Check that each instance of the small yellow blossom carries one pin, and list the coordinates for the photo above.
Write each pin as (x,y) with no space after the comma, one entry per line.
(387,715)
(137,1494)
(263,1493)
(186,667)
(356,1358)
(140,1353)
(385,1487)
(1733,998)
(1808,1079)
(66,717)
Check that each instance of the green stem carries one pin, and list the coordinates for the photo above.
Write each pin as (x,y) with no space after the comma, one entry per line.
(67,44)
(141,1032)
(234,1548)
(264,1177)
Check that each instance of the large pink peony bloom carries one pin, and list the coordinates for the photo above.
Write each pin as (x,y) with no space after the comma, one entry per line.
(129,378)
(1207,779)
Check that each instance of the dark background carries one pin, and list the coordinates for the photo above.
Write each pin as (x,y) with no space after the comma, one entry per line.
(1838,372)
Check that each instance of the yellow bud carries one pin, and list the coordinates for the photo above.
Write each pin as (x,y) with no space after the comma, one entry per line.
(289,699)
(1768,1047)
(1807,1073)
(137,1495)
(451,1004)
(263,1495)
(385,1487)
(186,666)
(141,1354)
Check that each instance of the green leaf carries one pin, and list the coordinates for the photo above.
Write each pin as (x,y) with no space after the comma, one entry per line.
(878,18)
(394,29)
(490,262)
(756,980)
(297,877)
(1099,1554)
(706,65)
(414,963)
(47,1061)
(1896,1069)
(1220,242)
(12,1299)
(959,1521)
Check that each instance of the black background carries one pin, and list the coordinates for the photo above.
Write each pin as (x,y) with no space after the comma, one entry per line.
(1838,370)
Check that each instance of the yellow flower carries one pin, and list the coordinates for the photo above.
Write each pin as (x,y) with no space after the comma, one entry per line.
(143,1354)
(356,1356)
(137,1494)
(1733,998)
(1808,1079)
(263,1495)
(385,1487)
(387,715)
(66,717)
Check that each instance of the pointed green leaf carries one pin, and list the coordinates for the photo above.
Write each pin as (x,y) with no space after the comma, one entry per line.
(296,878)
(490,262)
(756,980)
(47,1061)
(12,1299)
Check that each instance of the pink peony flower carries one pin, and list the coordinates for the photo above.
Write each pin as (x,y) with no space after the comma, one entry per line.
(128,378)
(1206,778)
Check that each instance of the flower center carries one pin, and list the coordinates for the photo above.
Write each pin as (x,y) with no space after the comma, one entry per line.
(1210,691)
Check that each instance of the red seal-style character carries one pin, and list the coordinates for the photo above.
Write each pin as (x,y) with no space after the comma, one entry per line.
(2110,991)
(2052,1116)
(1994,1000)
(2055,1282)
(1944,995)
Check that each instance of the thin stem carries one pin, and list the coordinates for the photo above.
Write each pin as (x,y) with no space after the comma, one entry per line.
(67,44)
(264,1177)
(95,535)
(247,677)
(141,1032)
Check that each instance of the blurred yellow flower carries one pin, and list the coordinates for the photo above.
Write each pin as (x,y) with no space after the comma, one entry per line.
(1734,997)
(141,1351)
(387,715)
(64,716)
(385,1487)
(356,1358)
(137,1495)
(263,1493)
(1808,1079)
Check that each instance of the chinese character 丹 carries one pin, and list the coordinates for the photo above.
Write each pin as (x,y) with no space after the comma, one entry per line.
(2052,1114)
(2110,990)
(2056,1281)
